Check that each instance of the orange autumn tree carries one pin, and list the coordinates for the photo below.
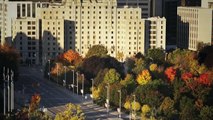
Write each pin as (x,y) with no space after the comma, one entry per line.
(170,73)
(71,57)
(34,103)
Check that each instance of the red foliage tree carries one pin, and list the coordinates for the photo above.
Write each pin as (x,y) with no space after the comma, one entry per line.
(204,79)
(71,57)
(187,76)
(170,73)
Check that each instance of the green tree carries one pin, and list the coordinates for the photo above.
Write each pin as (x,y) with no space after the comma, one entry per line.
(206,113)
(167,108)
(114,94)
(100,76)
(129,83)
(129,64)
(152,93)
(187,109)
(97,50)
(140,64)
(93,65)
(156,55)
(111,76)
(72,112)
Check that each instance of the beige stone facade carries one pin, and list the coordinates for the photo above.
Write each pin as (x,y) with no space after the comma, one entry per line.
(26,39)
(78,25)
(3,13)
(194,25)
(121,30)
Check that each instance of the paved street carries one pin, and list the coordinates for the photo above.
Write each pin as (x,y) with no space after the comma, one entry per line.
(53,96)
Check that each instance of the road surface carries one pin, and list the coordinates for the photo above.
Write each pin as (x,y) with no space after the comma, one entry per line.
(53,96)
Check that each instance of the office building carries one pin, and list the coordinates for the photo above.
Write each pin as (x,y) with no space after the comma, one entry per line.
(3,14)
(207,4)
(16,10)
(149,8)
(78,25)
(194,25)
(155,33)
(190,2)
(26,39)
(143,4)
(130,32)
(170,13)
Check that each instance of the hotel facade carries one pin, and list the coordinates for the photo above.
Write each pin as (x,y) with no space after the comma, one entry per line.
(194,25)
(78,25)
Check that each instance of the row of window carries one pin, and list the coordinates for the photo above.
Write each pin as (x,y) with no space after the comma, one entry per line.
(63,12)
(28,23)
(28,38)
(54,48)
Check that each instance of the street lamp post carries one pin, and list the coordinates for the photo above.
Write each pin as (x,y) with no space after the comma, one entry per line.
(12,91)
(82,88)
(57,71)
(73,80)
(134,112)
(119,109)
(49,69)
(92,89)
(107,100)
(8,90)
(77,82)
(65,75)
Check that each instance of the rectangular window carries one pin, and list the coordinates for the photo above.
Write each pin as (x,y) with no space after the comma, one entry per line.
(33,22)
(23,10)
(18,11)
(28,10)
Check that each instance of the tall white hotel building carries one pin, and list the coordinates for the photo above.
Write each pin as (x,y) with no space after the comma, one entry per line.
(80,24)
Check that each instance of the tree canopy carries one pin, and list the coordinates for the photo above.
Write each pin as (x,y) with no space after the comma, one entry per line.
(97,50)
(156,55)
(70,57)
(111,76)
